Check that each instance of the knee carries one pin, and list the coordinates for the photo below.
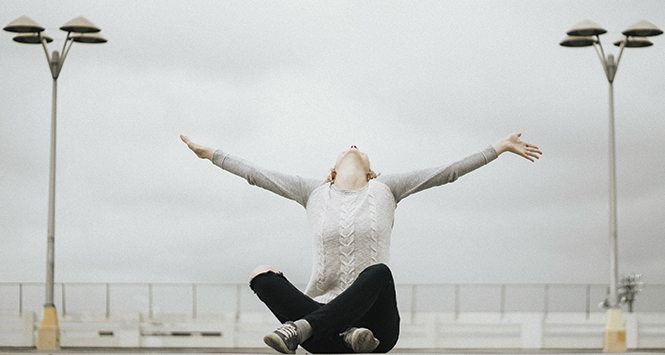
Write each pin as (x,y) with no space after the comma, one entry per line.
(380,271)
(380,268)
(261,285)
(261,270)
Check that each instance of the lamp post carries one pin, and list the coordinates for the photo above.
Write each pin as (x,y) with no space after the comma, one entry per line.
(587,34)
(29,32)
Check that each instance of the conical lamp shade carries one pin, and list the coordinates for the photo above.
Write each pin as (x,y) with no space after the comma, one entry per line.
(80,25)
(88,38)
(31,38)
(23,24)
(586,28)
(643,29)
(578,41)
(635,42)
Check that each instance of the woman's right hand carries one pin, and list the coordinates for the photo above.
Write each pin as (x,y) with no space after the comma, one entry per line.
(514,144)
(202,152)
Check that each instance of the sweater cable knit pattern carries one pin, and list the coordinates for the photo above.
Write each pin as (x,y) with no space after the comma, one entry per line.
(320,258)
(374,233)
(346,241)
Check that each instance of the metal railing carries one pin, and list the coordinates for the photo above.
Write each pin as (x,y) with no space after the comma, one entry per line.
(195,299)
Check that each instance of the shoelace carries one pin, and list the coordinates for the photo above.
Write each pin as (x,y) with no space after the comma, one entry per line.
(348,335)
(287,330)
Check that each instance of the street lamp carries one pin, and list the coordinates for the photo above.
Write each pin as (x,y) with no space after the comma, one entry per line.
(587,34)
(29,32)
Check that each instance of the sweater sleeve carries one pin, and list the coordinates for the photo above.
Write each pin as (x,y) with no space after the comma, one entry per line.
(403,185)
(292,187)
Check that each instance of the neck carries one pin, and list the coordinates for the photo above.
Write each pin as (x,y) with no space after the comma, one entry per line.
(350,179)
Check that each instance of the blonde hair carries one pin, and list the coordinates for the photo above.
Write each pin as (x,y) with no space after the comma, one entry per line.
(370,175)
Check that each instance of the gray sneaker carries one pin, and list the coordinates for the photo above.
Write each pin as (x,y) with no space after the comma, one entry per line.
(361,340)
(283,339)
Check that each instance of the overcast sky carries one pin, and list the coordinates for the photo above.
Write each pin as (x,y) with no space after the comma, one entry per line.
(288,85)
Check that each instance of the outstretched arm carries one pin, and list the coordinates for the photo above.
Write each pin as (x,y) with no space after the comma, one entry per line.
(403,185)
(515,145)
(202,152)
(292,187)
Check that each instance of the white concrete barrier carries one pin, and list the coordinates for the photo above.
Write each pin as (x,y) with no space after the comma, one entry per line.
(179,330)
(422,330)
(17,329)
(98,330)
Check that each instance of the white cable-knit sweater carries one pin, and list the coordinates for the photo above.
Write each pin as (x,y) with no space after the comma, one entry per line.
(351,229)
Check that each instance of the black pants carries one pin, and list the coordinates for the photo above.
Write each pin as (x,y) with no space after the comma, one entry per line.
(369,302)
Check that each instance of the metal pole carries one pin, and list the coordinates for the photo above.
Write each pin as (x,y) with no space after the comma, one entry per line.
(546,301)
(457,306)
(588,301)
(502,306)
(194,299)
(64,308)
(49,331)
(150,300)
(108,300)
(614,336)
(20,299)
(238,302)
(50,249)
(614,272)
(413,303)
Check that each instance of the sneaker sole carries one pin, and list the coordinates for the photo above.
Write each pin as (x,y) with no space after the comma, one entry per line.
(364,341)
(275,342)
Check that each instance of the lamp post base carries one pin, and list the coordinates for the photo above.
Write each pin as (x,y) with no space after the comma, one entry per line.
(614,336)
(49,331)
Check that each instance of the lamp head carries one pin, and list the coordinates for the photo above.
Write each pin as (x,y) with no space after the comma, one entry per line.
(586,28)
(578,41)
(634,42)
(643,29)
(88,38)
(23,24)
(32,38)
(80,25)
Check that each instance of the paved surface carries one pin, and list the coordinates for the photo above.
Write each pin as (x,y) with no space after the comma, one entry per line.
(245,351)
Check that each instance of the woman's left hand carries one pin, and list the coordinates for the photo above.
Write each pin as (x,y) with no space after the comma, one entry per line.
(514,144)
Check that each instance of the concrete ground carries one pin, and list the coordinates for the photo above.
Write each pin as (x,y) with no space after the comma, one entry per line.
(245,351)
